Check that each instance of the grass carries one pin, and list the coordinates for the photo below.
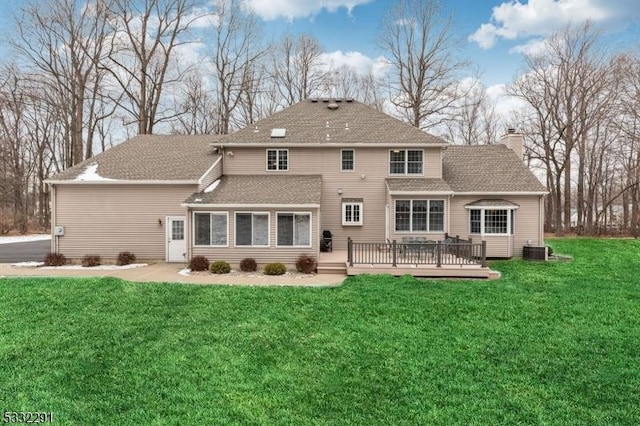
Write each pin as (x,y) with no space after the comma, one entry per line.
(549,343)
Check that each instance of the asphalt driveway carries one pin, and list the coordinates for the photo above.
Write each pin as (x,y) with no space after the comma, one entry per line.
(24,251)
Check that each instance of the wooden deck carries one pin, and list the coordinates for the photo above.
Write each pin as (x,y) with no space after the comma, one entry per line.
(336,262)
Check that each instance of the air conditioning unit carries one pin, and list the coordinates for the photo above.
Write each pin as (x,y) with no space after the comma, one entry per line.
(58,231)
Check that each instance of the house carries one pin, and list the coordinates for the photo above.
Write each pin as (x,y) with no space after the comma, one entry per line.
(269,191)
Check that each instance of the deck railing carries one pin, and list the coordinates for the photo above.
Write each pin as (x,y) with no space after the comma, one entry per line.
(438,253)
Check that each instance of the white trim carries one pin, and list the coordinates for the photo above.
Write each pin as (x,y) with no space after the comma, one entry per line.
(428,231)
(509,211)
(491,207)
(122,182)
(503,193)
(167,235)
(209,169)
(406,162)
(266,159)
(253,206)
(411,193)
(310,214)
(235,228)
(193,230)
(334,144)
(361,213)
(354,161)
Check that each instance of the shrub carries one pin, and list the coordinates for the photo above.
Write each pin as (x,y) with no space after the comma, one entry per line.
(248,265)
(306,264)
(55,259)
(91,260)
(126,258)
(199,263)
(549,251)
(275,268)
(220,267)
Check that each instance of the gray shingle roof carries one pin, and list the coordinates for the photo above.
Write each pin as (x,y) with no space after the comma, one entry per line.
(151,157)
(417,185)
(262,189)
(352,123)
(492,203)
(487,168)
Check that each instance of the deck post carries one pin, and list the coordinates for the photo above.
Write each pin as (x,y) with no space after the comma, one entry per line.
(350,251)
(484,253)
(393,254)
(439,255)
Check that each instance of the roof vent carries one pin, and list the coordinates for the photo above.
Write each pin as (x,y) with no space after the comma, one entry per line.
(332,105)
(349,99)
(511,130)
(278,133)
(325,99)
(314,100)
(338,99)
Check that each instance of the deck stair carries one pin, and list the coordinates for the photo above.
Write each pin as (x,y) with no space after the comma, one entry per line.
(329,267)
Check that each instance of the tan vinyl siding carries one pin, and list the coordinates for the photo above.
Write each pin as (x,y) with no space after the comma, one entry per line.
(366,181)
(433,163)
(212,174)
(262,255)
(527,224)
(107,219)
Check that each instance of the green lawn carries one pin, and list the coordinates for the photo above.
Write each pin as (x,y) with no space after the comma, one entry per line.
(554,343)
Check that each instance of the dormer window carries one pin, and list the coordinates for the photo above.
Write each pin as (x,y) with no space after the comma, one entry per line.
(405,161)
(278,160)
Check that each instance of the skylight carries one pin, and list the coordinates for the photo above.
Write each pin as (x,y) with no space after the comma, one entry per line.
(278,133)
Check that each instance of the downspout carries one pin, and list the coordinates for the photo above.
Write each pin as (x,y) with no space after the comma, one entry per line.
(541,221)
(54,219)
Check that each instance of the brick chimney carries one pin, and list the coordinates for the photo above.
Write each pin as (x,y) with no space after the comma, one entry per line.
(514,141)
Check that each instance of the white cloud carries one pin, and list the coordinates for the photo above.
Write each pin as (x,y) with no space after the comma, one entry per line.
(362,64)
(533,47)
(504,104)
(514,20)
(292,9)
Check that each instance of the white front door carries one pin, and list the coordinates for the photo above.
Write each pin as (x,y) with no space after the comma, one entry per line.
(176,242)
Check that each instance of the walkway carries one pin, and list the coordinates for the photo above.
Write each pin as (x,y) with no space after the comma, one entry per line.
(169,272)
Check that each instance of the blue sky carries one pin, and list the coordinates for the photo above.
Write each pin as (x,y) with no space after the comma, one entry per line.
(494,31)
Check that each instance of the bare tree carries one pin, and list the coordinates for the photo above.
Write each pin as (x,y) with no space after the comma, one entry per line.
(570,89)
(142,63)
(198,108)
(370,91)
(63,43)
(297,68)
(476,121)
(424,77)
(236,48)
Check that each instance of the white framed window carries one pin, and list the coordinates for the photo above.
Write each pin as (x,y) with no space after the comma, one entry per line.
(278,160)
(352,213)
(406,161)
(293,229)
(252,229)
(492,221)
(419,215)
(211,229)
(347,160)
